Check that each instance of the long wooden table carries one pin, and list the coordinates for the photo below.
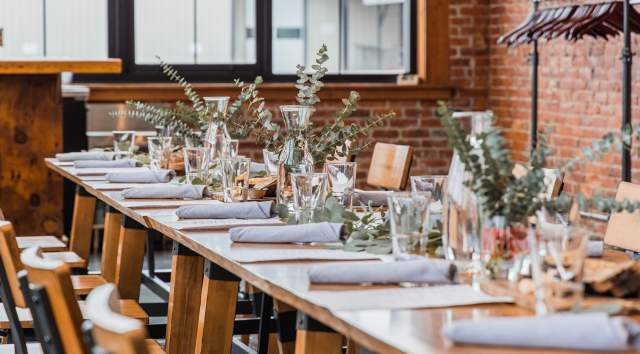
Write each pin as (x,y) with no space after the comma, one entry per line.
(379,331)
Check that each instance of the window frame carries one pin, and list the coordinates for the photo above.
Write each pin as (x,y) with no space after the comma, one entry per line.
(122,45)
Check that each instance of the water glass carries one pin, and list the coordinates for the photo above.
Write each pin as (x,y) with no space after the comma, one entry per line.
(123,143)
(196,164)
(342,180)
(408,216)
(270,162)
(309,190)
(159,151)
(434,187)
(232,148)
(235,178)
(558,253)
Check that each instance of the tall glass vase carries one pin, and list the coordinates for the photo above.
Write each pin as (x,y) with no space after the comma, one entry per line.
(217,137)
(295,156)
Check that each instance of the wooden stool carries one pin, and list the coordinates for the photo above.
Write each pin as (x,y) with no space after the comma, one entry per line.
(390,165)
(111,331)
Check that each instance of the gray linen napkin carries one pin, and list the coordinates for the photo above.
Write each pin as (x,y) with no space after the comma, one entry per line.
(85,155)
(248,210)
(106,164)
(320,232)
(427,271)
(586,331)
(150,176)
(377,198)
(170,191)
(256,167)
(595,248)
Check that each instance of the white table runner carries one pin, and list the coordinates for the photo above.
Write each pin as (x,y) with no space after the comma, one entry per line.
(219,224)
(252,255)
(164,203)
(101,185)
(403,298)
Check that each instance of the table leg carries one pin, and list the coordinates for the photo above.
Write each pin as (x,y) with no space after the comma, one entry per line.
(217,310)
(285,316)
(110,243)
(84,208)
(184,300)
(130,258)
(315,338)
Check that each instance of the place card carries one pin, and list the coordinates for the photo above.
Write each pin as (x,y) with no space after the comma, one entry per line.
(103,171)
(106,186)
(252,254)
(219,224)
(403,298)
(164,203)
(61,163)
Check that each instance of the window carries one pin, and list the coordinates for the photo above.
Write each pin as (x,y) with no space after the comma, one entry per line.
(58,28)
(216,40)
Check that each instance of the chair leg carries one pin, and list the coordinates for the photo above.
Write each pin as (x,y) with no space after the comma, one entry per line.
(285,316)
(110,242)
(313,337)
(130,258)
(184,300)
(217,310)
(84,208)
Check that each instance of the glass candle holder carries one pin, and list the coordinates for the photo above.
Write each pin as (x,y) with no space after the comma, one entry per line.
(342,181)
(235,178)
(408,216)
(123,143)
(159,151)
(309,190)
(196,164)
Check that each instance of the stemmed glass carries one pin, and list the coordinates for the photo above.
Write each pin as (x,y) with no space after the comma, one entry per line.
(342,180)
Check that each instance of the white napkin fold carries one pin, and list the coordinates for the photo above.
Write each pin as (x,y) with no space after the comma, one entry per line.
(248,210)
(427,271)
(169,191)
(148,176)
(106,164)
(85,155)
(319,232)
(586,331)
(595,248)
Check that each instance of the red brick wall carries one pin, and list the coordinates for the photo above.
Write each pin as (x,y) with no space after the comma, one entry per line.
(580,95)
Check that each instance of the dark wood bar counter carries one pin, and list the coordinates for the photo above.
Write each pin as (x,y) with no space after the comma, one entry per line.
(30,129)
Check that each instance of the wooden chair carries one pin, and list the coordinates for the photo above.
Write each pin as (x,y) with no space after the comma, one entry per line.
(622,228)
(46,243)
(390,165)
(54,277)
(110,330)
(81,284)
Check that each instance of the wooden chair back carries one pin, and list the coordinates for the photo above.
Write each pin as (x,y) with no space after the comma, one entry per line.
(113,332)
(54,277)
(390,165)
(10,254)
(622,229)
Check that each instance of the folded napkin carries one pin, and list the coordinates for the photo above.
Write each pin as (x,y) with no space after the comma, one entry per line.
(427,271)
(376,198)
(595,248)
(320,232)
(248,210)
(586,331)
(85,155)
(106,164)
(256,167)
(169,191)
(150,176)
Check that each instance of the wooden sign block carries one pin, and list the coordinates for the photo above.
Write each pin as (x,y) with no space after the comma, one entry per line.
(623,228)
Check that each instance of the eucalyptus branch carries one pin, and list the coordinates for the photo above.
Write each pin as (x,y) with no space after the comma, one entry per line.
(190,93)
(309,86)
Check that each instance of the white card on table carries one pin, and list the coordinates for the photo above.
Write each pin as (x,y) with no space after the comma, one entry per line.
(252,254)
(219,224)
(103,171)
(106,186)
(164,203)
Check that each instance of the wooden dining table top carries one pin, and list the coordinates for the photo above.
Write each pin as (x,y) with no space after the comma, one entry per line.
(379,330)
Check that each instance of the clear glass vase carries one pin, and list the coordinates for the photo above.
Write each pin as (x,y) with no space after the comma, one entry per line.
(504,247)
(217,137)
(295,156)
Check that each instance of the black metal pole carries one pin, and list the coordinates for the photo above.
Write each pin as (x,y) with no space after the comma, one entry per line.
(534,89)
(626,91)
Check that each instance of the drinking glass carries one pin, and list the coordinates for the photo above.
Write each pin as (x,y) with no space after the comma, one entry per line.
(342,180)
(196,164)
(309,190)
(408,216)
(235,178)
(123,143)
(159,151)
(232,148)
(558,253)
(270,162)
